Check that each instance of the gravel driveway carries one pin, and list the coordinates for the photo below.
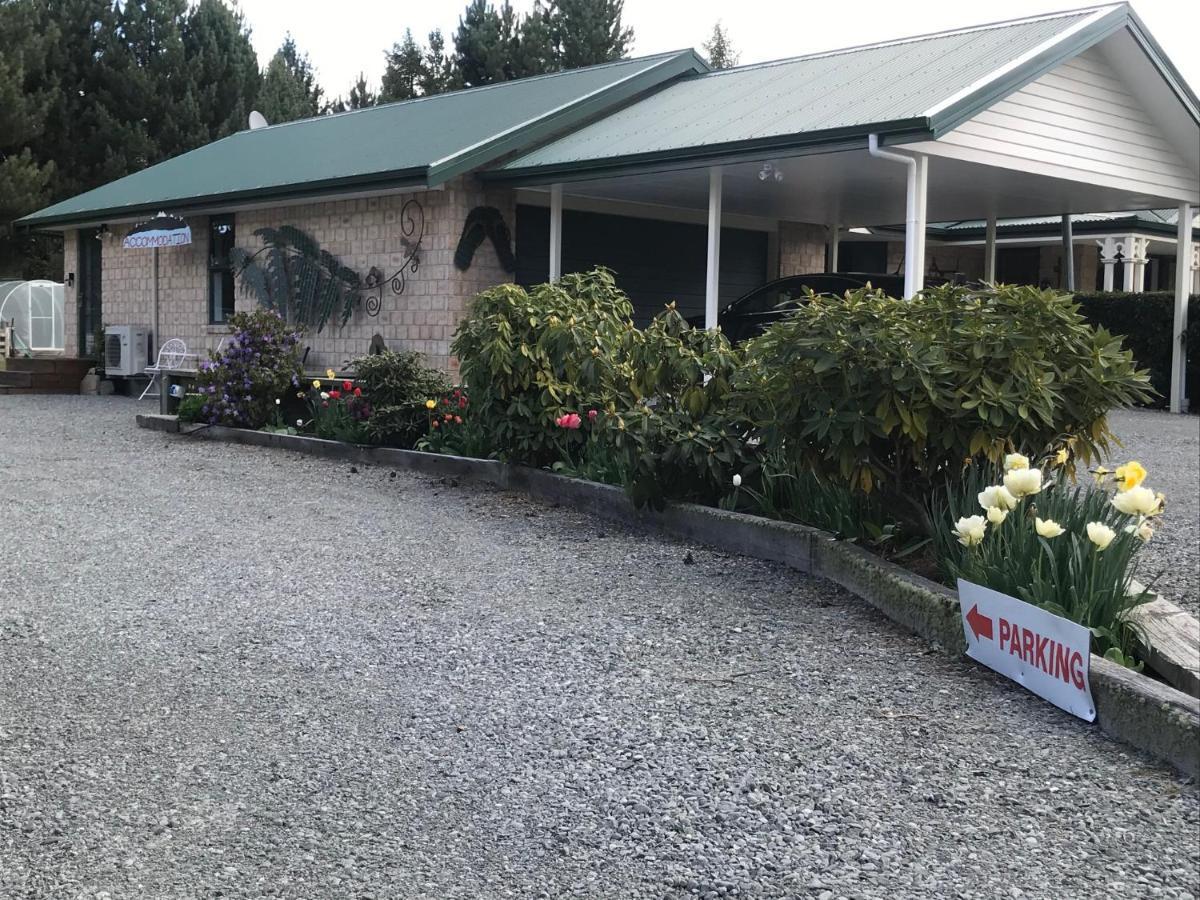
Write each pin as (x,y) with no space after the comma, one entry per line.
(1169,447)
(234,672)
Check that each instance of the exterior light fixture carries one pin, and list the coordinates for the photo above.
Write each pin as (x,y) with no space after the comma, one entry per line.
(770,171)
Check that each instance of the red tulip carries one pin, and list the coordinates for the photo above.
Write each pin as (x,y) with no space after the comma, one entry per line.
(336,395)
(346,385)
(358,392)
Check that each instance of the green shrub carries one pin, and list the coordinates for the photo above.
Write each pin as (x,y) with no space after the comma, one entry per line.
(895,395)
(397,384)
(190,408)
(258,366)
(1145,322)
(529,357)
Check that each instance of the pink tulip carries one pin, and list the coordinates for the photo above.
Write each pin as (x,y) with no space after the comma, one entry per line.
(592,414)
(573,420)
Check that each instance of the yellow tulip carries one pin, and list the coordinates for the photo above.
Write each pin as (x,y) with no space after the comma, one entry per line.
(997,496)
(431,404)
(1100,535)
(316,384)
(1138,501)
(1129,475)
(1023,482)
(996,515)
(1016,461)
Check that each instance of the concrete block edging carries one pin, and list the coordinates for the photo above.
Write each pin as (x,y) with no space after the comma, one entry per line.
(1149,715)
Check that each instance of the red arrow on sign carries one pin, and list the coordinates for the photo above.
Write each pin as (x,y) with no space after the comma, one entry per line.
(980,624)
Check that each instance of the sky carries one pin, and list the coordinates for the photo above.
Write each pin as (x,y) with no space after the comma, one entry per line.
(353,40)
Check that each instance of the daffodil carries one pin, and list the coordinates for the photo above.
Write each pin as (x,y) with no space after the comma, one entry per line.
(1015,461)
(330,374)
(1142,530)
(1061,457)
(1138,501)
(997,496)
(1129,475)
(1023,482)
(970,530)
(1100,474)
(316,384)
(1100,535)
(1047,528)
(996,515)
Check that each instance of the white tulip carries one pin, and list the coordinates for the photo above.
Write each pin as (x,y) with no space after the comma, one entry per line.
(737,480)
(1016,461)
(996,515)
(1137,501)
(1100,535)
(1023,482)
(1047,528)
(997,496)
(1143,530)
(970,530)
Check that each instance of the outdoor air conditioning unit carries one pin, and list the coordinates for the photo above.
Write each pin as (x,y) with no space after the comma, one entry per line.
(126,349)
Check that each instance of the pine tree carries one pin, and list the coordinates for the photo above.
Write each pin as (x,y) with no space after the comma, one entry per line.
(360,97)
(534,52)
(484,43)
(587,32)
(439,74)
(405,71)
(721,54)
(224,80)
(289,86)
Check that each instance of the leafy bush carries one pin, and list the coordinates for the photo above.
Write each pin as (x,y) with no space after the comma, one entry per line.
(398,384)
(190,408)
(260,363)
(1045,548)
(1145,322)
(896,395)
(527,358)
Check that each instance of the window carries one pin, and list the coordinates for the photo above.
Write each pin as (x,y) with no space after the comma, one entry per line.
(220,269)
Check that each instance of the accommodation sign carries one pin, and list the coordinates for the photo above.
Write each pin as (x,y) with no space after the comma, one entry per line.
(1042,652)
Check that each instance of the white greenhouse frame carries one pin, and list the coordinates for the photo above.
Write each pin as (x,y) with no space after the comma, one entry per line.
(26,303)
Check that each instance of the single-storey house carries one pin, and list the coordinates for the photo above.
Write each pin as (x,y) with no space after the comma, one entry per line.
(692,185)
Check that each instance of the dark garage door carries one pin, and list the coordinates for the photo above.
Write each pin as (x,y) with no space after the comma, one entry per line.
(654,262)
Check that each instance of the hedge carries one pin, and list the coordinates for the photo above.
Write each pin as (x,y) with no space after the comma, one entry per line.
(1145,322)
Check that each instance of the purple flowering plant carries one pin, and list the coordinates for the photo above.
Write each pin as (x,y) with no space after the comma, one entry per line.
(259,364)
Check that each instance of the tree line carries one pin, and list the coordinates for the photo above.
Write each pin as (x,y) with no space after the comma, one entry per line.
(91,90)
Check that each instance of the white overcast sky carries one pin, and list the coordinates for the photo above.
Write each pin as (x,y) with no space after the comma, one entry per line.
(349,36)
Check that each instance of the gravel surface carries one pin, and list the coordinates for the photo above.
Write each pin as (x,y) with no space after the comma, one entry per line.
(1169,447)
(234,672)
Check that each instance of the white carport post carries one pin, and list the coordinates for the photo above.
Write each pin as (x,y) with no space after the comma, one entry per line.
(914,221)
(1068,254)
(555,232)
(835,239)
(712,281)
(1183,262)
(989,251)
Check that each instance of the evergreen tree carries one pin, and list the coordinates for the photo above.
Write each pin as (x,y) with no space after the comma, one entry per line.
(534,53)
(439,74)
(484,43)
(360,97)
(405,71)
(223,80)
(721,54)
(587,32)
(289,86)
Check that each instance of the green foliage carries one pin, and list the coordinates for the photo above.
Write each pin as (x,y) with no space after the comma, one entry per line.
(587,32)
(895,396)
(292,275)
(338,410)
(676,435)
(191,408)
(222,66)
(398,385)
(1066,575)
(404,70)
(719,49)
(526,358)
(361,96)
(1145,322)
(289,86)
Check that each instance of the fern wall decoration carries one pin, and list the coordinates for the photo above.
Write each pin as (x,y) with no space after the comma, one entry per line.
(484,222)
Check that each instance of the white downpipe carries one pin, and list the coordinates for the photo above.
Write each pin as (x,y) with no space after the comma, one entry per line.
(556,211)
(712,282)
(835,239)
(914,267)
(1183,263)
(1068,254)
(989,252)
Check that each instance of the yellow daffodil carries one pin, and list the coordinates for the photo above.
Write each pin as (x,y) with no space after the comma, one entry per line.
(330,374)
(431,404)
(316,384)
(1129,475)
(1047,528)
(1100,535)
(1138,501)
(1100,474)
(1015,461)
(1061,457)
(1023,482)
(996,515)
(997,496)
(970,530)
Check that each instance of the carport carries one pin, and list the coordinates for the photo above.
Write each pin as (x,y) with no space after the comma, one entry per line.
(1056,115)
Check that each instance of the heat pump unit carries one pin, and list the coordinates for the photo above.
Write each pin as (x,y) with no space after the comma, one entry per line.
(126,350)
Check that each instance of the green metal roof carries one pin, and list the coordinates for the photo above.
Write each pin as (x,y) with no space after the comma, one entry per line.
(420,142)
(910,89)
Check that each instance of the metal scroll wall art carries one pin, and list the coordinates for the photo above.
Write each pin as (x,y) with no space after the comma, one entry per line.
(412,232)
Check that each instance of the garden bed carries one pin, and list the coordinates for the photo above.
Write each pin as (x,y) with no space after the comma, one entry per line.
(1132,707)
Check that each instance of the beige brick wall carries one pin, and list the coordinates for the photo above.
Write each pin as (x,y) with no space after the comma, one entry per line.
(362,232)
(70,298)
(801,248)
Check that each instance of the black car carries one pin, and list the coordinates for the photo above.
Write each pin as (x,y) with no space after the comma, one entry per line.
(751,313)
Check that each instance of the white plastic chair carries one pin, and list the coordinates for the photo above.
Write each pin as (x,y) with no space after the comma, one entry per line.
(170,356)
